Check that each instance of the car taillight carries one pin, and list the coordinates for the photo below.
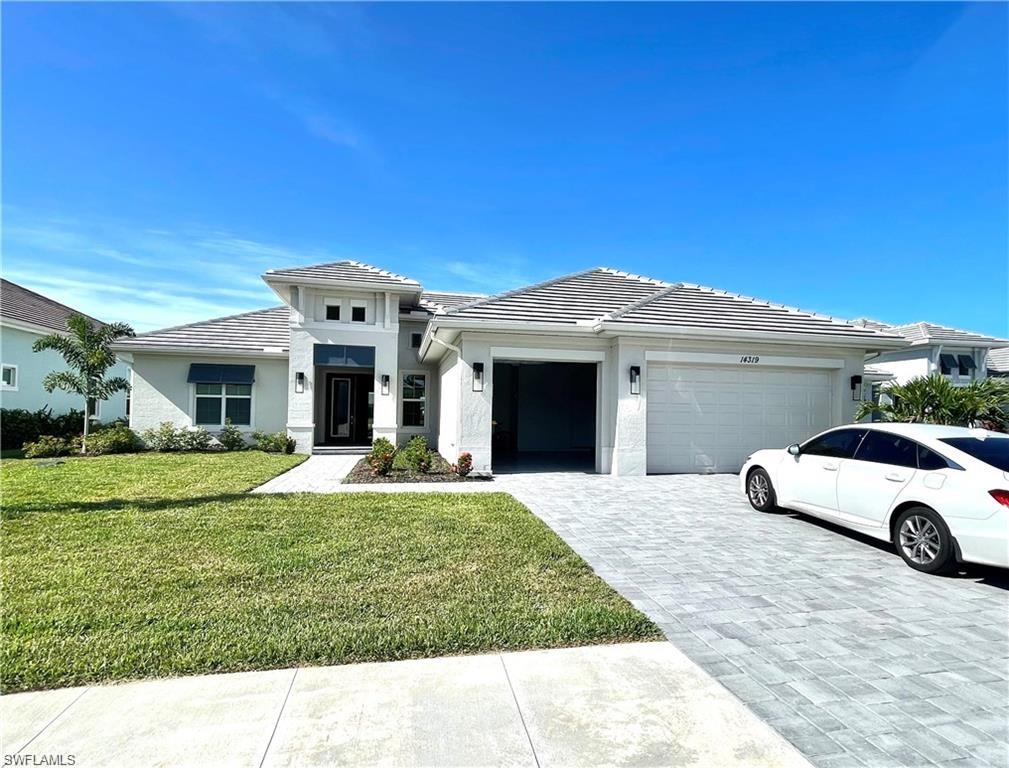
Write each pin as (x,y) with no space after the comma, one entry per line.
(1002,497)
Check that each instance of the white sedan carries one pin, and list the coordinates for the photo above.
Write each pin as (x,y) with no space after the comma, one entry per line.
(939,494)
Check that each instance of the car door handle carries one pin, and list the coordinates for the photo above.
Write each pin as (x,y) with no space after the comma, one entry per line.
(895,477)
(830,467)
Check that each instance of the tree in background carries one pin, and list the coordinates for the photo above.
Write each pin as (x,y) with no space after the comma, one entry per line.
(934,400)
(86,348)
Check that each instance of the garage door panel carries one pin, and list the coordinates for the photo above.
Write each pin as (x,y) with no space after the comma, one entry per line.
(709,419)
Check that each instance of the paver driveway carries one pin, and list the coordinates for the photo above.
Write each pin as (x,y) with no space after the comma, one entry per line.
(848,653)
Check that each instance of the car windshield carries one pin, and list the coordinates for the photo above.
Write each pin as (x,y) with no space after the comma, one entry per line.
(991,450)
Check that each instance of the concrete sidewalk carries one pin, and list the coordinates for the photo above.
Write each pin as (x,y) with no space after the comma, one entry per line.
(632,704)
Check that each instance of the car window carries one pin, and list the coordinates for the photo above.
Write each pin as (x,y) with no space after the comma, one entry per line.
(991,450)
(887,448)
(839,444)
(930,460)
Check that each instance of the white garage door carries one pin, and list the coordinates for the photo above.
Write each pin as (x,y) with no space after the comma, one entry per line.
(703,419)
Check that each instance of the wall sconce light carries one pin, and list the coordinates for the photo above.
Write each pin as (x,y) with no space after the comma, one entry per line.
(856,388)
(635,379)
(299,382)
(478,377)
(385,383)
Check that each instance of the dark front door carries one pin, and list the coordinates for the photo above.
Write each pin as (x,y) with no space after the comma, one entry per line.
(349,408)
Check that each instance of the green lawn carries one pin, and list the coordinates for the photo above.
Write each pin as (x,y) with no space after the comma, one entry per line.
(122,567)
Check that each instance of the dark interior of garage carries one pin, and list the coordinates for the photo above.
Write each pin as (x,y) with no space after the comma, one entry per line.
(544,417)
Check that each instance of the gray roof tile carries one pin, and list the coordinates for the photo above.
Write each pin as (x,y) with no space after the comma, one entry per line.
(932,333)
(249,331)
(998,362)
(20,304)
(351,271)
(436,301)
(568,300)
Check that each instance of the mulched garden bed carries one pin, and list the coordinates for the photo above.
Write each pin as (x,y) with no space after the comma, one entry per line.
(441,472)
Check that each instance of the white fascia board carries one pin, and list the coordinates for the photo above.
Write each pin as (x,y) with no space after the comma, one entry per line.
(31,327)
(329,282)
(817,340)
(749,360)
(470,324)
(199,351)
(549,355)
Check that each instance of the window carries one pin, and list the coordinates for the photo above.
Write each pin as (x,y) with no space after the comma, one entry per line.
(415,340)
(947,363)
(332,311)
(10,377)
(217,402)
(358,313)
(129,402)
(930,460)
(991,450)
(414,400)
(886,448)
(94,408)
(966,364)
(839,444)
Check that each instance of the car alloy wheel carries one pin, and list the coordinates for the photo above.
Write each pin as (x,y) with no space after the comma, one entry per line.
(920,540)
(759,489)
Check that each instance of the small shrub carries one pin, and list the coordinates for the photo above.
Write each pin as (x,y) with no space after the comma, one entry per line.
(464,466)
(416,455)
(164,437)
(274,442)
(231,437)
(116,438)
(48,446)
(18,426)
(381,457)
(197,439)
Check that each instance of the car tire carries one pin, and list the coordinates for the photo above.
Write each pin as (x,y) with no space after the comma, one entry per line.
(923,541)
(760,491)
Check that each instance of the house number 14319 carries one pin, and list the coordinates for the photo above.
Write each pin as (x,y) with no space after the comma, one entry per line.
(750,359)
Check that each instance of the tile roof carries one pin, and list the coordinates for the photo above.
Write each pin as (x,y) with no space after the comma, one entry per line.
(931,333)
(352,271)
(19,304)
(998,362)
(436,301)
(249,331)
(583,297)
(867,322)
(692,306)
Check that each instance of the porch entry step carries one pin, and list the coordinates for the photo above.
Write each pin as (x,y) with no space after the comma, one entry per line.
(341,450)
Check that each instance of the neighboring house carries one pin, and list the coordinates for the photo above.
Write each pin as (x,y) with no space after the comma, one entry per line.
(602,369)
(998,362)
(961,356)
(26,316)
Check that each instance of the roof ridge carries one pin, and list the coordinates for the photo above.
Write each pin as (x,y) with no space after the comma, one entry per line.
(345,262)
(385,272)
(45,298)
(786,307)
(521,289)
(644,278)
(210,320)
(639,303)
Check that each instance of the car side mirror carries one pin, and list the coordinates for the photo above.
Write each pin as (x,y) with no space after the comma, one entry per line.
(794,449)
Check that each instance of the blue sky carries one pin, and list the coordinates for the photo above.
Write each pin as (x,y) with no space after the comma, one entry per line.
(850,159)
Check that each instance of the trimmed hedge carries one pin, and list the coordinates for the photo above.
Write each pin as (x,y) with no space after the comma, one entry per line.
(18,426)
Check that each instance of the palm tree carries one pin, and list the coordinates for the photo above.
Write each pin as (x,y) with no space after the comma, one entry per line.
(86,350)
(934,400)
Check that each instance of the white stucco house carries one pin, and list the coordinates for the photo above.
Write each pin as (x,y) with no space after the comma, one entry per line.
(960,356)
(604,370)
(26,316)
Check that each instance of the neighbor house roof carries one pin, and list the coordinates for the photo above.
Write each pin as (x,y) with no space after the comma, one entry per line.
(613,299)
(931,333)
(346,271)
(577,299)
(266,330)
(998,362)
(20,305)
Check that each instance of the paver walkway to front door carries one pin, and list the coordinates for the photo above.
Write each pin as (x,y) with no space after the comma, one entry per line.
(850,654)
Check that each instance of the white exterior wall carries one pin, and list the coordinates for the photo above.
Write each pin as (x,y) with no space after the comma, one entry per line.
(914,362)
(409,363)
(32,368)
(449,387)
(161,392)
